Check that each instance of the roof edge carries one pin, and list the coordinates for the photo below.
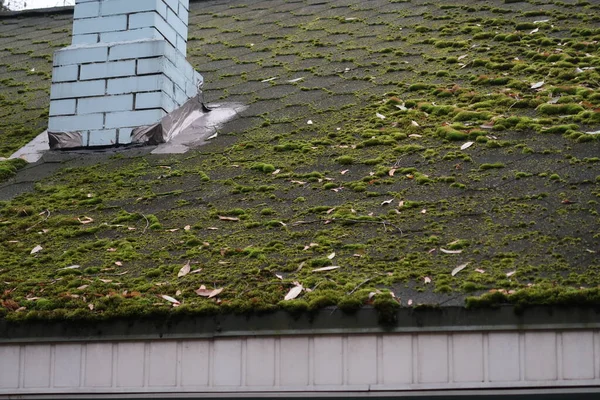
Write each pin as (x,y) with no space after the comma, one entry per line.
(326,321)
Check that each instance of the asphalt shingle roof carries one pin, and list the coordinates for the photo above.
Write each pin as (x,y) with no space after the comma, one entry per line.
(430,150)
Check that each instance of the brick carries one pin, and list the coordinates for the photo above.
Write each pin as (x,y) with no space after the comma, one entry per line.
(65,74)
(149,48)
(107,70)
(180,96)
(104,137)
(135,84)
(124,135)
(133,118)
(150,65)
(181,45)
(180,26)
(93,105)
(116,7)
(77,89)
(153,19)
(62,107)
(183,13)
(76,123)
(131,35)
(173,4)
(87,10)
(78,55)
(100,24)
(89,38)
(154,100)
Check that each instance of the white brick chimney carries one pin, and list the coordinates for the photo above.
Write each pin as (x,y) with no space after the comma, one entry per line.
(126,68)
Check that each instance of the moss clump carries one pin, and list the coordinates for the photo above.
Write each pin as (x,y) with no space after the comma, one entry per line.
(387,308)
(9,168)
(487,166)
(262,167)
(450,133)
(345,160)
(560,109)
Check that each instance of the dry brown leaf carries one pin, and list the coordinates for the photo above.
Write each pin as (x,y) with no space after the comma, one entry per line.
(331,256)
(118,263)
(466,145)
(459,268)
(450,251)
(325,269)
(83,287)
(91,307)
(184,270)
(276,172)
(187,228)
(85,220)
(111,250)
(36,249)
(427,280)
(344,172)
(410,302)
(223,218)
(511,273)
(392,171)
(170,299)
(294,292)
(481,271)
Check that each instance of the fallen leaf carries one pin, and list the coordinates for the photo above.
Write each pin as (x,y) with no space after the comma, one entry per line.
(91,307)
(331,256)
(172,230)
(280,277)
(215,293)
(537,85)
(187,228)
(276,172)
(85,220)
(387,202)
(214,136)
(298,182)
(592,133)
(184,270)
(111,250)
(118,263)
(459,268)
(105,280)
(36,249)
(415,136)
(481,271)
(427,280)
(410,302)
(309,122)
(269,79)
(71,267)
(222,218)
(170,299)
(295,80)
(450,251)
(325,269)
(83,287)
(534,31)
(423,211)
(541,21)
(392,171)
(344,171)
(511,273)
(294,292)
(462,57)
(414,123)
(466,145)
(196,271)
(380,116)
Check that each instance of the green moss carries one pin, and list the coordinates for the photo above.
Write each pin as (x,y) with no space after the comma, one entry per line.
(487,166)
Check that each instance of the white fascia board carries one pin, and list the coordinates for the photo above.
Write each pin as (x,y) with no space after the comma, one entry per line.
(370,364)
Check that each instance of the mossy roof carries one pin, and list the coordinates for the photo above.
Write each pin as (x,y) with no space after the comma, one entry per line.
(429,151)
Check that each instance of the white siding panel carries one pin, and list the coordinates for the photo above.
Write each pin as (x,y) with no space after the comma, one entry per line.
(362,360)
(540,356)
(67,365)
(433,358)
(227,363)
(37,365)
(130,365)
(163,364)
(260,352)
(397,361)
(504,358)
(328,362)
(467,357)
(578,355)
(98,365)
(9,367)
(195,363)
(294,361)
